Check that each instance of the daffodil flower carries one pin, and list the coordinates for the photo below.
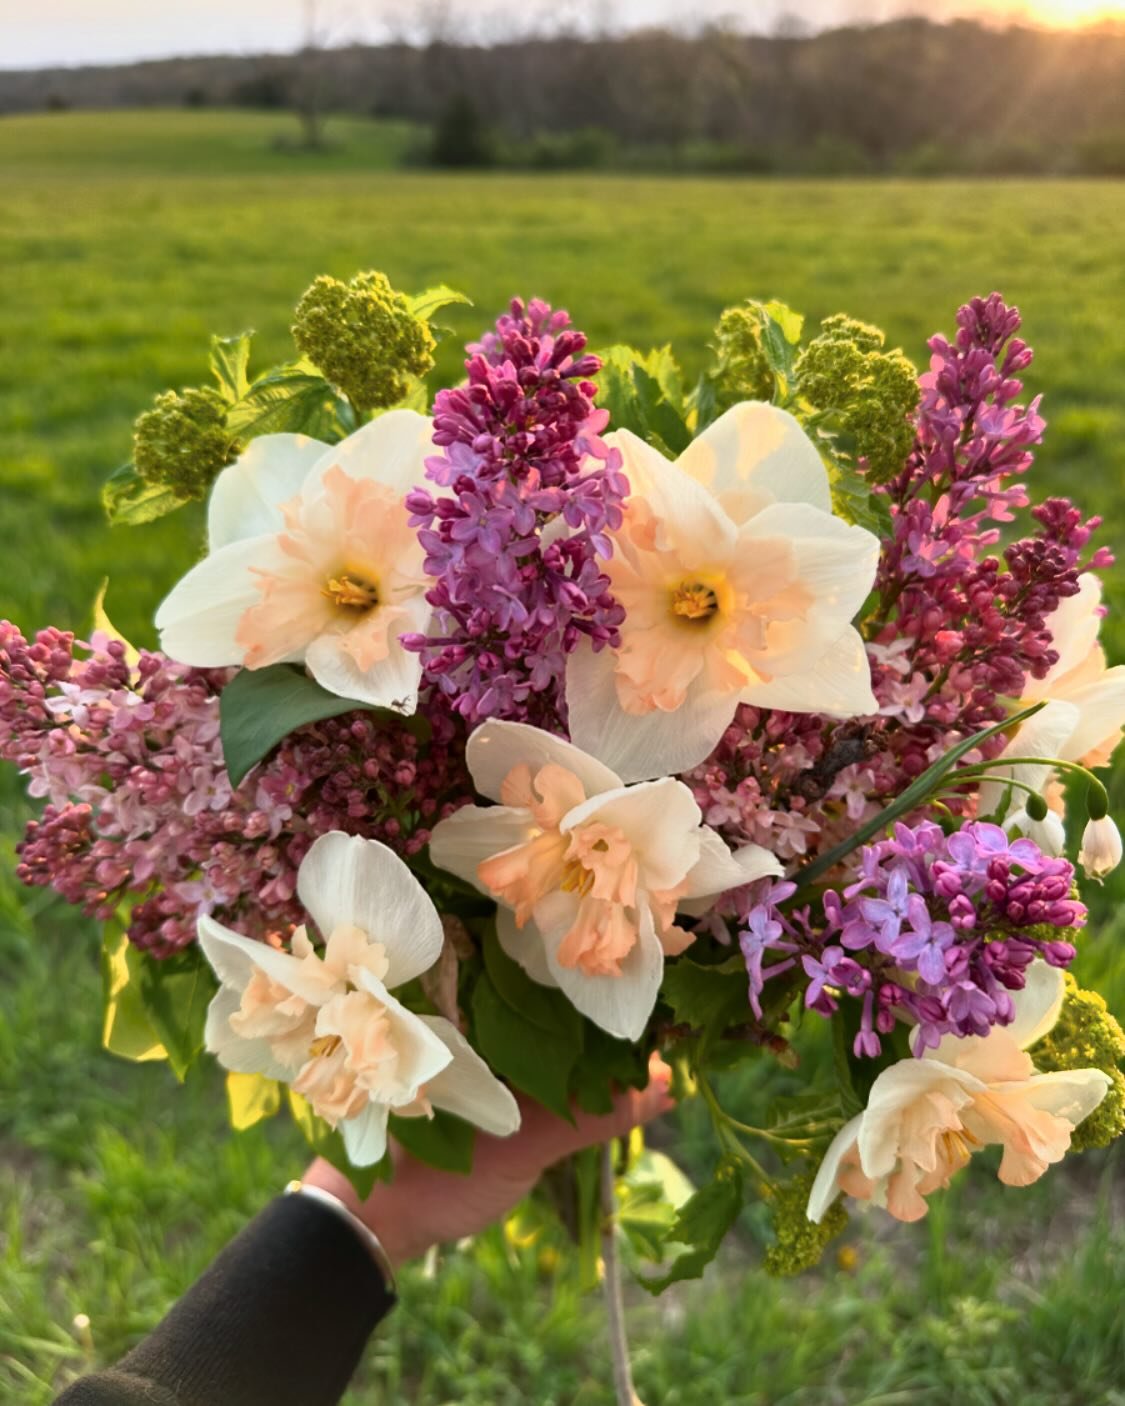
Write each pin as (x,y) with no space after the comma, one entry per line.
(739,586)
(926,1117)
(588,872)
(1085,701)
(312,560)
(325,1021)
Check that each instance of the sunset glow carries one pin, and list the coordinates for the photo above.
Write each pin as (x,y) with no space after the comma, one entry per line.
(1066,14)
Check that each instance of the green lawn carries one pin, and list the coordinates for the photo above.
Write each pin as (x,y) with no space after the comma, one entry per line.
(125,239)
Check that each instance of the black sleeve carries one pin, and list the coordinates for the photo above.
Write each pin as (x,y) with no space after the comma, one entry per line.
(279,1319)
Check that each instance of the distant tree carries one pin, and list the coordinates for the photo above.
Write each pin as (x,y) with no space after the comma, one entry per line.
(461,137)
(57,103)
(196,97)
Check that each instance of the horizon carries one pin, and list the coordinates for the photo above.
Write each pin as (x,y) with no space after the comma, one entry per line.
(77,33)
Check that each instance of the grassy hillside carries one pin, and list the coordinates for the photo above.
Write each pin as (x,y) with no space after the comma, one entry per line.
(126,238)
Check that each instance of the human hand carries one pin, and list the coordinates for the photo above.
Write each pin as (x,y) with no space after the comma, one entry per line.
(423,1206)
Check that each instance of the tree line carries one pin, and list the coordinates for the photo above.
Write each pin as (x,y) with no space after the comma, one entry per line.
(909,95)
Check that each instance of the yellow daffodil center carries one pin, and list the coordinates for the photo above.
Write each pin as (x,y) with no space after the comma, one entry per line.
(350,591)
(694,601)
(324,1045)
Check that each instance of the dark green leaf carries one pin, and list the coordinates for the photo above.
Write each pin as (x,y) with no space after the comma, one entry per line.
(259,707)
(293,399)
(605,1066)
(706,997)
(542,1006)
(230,356)
(176,993)
(129,501)
(442,1141)
(643,392)
(854,500)
(424,305)
(535,1060)
(701,1224)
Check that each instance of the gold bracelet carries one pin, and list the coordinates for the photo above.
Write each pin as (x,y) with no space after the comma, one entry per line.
(364,1231)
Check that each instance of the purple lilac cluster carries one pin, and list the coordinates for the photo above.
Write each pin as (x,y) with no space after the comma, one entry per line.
(532,494)
(963,629)
(935,930)
(140,807)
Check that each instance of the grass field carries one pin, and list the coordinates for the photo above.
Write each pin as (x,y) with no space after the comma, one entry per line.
(125,239)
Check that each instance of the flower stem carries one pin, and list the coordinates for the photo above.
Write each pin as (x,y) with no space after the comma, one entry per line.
(614,1302)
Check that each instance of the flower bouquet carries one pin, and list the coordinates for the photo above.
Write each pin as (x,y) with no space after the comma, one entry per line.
(497,743)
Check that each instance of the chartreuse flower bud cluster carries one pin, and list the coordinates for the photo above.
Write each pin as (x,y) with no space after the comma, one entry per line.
(183,442)
(871,393)
(800,1242)
(1087,1036)
(364,338)
(742,370)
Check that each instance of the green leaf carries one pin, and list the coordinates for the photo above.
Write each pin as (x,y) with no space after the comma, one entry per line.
(707,998)
(442,1141)
(535,1060)
(291,399)
(648,1197)
(126,1028)
(605,1065)
(327,1143)
(129,501)
(701,1224)
(854,500)
(250,1098)
(230,357)
(789,323)
(259,707)
(914,796)
(643,392)
(176,992)
(542,1006)
(424,305)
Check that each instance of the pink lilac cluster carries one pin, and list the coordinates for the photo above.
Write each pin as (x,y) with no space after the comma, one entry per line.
(962,629)
(140,807)
(934,930)
(532,493)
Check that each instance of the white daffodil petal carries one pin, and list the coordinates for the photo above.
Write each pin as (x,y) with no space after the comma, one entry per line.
(661,821)
(199,618)
(419,1054)
(390,449)
(687,512)
(1074,625)
(233,1052)
(719,868)
(640,747)
(1038,1005)
(467,1087)
(347,880)
(838,684)
(247,497)
(621,1004)
(1040,736)
(464,840)
(825,1188)
(754,455)
(365,1135)
(524,945)
(1072,1094)
(835,560)
(233,958)
(495,748)
(1101,715)
(391,683)
(894,1090)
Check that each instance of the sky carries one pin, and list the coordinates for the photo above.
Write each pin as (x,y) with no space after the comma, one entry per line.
(40,33)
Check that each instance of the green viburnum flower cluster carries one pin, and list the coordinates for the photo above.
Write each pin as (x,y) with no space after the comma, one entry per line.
(364,338)
(800,1242)
(845,373)
(1087,1036)
(183,442)
(742,369)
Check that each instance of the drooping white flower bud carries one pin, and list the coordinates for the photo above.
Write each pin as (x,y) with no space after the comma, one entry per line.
(1101,847)
(1049,833)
